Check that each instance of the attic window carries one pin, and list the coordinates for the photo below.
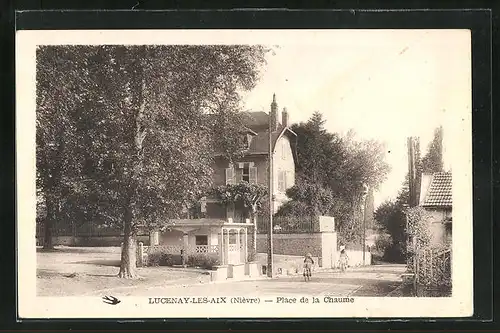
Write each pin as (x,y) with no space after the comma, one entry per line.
(247,140)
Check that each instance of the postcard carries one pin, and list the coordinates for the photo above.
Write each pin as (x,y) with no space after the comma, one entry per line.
(244,173)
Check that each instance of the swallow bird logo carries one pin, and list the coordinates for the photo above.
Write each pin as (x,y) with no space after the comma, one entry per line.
(111,300)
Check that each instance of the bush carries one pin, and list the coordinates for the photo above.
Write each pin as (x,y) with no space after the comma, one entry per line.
(203,261)
(159,257)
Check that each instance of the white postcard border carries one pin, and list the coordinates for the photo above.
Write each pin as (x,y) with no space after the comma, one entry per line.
(31,306)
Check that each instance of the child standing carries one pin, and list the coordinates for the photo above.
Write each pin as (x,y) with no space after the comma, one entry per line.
(308,262)
(343,259)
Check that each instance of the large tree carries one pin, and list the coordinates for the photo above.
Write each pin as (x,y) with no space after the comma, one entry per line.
(144,142)
(390,215)
(433,160)
(337,168)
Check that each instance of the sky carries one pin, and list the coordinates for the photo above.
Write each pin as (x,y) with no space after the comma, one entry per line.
(385,85)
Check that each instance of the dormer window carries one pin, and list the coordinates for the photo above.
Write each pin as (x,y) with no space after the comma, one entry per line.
(247,139)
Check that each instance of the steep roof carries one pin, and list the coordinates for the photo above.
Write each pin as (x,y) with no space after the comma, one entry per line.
(439,191)
(258,123)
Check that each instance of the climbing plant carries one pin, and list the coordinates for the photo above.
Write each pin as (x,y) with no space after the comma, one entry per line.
(419,227)
(249,196)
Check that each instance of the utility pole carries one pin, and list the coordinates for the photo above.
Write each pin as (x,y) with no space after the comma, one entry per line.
(412,202)
(365,192)
(271,194)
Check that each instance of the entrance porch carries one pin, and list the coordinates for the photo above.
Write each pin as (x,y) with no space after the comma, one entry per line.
(225,240)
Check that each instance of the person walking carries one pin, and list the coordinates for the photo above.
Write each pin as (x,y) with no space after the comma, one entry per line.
(344,259)
(308,262)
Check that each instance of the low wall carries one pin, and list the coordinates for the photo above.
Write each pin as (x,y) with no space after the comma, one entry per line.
(285,264)
(292,244)
(93,240)
(356,258)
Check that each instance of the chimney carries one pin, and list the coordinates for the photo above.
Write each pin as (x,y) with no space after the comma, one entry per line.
(274,114)
(284,117)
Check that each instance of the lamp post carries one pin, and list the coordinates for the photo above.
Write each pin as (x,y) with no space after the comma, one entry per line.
(364,193)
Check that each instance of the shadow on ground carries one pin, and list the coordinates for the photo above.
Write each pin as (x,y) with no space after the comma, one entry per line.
(99,262)
(68,249)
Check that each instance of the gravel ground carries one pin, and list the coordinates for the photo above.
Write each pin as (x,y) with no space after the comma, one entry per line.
(75,271)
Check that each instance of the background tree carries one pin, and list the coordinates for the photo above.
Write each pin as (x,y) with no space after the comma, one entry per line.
(335,169)
(142,144)
(391,216)
(433,160)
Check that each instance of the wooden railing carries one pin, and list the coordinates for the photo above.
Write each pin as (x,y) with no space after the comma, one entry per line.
(432,268)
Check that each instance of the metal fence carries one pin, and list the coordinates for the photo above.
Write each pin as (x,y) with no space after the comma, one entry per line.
(288,225)
(73,229)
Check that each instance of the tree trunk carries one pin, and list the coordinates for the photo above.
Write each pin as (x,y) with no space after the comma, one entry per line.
(48,243)
(128,265)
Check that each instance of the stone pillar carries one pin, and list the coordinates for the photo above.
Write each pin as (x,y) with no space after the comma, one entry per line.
(185,253)
(245,247)
(221,246)
(226,247)
(140,254)
(238,245)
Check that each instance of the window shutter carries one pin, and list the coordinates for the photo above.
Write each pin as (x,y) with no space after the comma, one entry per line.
(238,175)
(229,176)
(253,175)
(280,181)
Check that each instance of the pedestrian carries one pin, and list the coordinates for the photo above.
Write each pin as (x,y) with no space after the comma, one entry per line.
(308,262)
(343,259)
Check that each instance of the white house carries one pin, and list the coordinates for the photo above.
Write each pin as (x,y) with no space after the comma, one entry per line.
(436,198)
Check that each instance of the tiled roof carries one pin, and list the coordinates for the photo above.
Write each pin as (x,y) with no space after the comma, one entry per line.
(439,193)
(258,120)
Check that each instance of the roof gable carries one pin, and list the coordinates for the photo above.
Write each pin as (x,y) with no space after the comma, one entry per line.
(439,192)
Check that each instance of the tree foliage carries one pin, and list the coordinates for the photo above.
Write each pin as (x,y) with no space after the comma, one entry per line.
(123,130)
(391,218)
(391,215)
(331,173)
(433,161)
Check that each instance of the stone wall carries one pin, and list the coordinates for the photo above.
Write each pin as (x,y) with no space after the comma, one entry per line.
(93,240)
(292,244)
(356,258)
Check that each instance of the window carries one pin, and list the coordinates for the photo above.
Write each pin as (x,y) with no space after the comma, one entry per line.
(283,149)
(245,173)
(230,175)
(201,240)
(232,237)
